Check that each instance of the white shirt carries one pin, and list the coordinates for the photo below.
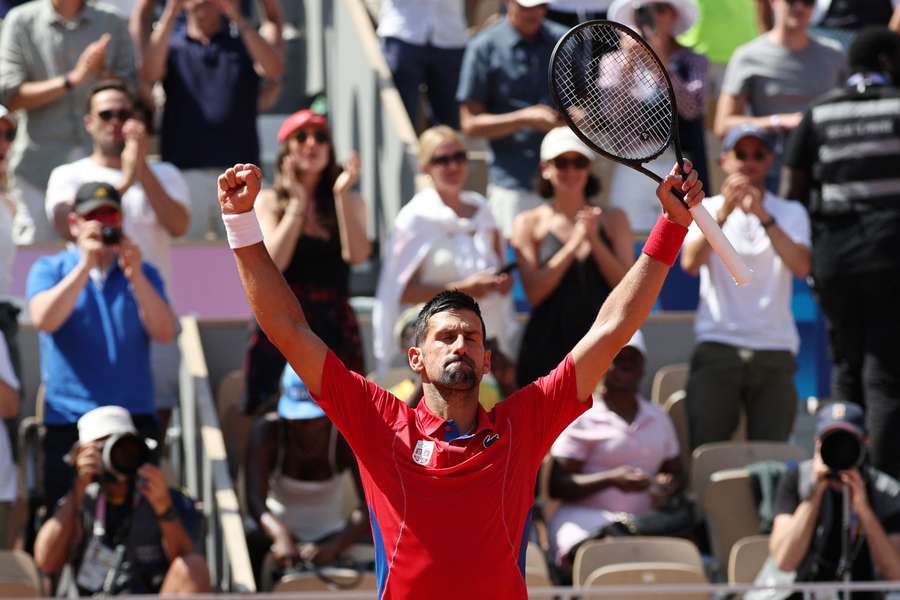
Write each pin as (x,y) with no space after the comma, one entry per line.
(7,467)
(140,222)
(7,245)
(758,315)
(441,23)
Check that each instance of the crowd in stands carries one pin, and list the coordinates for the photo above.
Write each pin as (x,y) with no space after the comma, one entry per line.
(116,121)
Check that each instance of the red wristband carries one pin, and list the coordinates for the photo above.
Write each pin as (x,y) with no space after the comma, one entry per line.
(664,241)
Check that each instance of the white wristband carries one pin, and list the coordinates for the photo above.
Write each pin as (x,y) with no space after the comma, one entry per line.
(242,229)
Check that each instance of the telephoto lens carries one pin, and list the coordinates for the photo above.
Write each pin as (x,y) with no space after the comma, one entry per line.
(110,236)
(123,454)
(841,450)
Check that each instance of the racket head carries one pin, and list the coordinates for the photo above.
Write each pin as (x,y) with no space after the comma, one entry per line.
(614,93)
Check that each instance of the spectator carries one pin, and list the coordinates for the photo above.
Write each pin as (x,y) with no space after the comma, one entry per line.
(572,12)
(155,203)
(51,51)
(107,512)
(444,238)
(295,467)
(617,466)
(659,23)
(9,207)
(747,339)
(842,163)
(96,306)
(9,409)
(808,532)
(505,99)
(842,20)
(315,230)
(570,254)
(770,81)
(423,43)
(210,69)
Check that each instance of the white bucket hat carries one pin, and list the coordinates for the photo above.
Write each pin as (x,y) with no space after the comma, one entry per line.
(561,140)
(622,11)
(104,421)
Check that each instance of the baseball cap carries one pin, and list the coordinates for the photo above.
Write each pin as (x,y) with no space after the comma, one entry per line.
(6,115)
(300,119)
(841,415)
(104,421)
(561,140)
(637,342)
(739,132)
(530,3)
(96,194)
(296,403)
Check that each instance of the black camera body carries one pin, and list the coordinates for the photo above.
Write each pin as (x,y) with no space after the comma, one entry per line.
(841,450)
(123,454)
(110,236)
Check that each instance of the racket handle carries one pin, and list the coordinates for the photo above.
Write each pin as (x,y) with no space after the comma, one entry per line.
(720,244)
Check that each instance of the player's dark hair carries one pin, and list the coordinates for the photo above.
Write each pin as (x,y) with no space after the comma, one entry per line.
(876,49)
(108,84)
(544,189)
(444,301)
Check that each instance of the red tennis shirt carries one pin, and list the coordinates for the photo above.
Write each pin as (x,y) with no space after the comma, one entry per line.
(449,518)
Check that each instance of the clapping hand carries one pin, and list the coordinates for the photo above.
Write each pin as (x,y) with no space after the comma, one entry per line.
(348,177)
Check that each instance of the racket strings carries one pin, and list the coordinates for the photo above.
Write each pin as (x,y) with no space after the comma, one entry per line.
(615,93)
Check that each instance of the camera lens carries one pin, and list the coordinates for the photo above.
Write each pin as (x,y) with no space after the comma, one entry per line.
(841,450)
(124,454)
(110,236)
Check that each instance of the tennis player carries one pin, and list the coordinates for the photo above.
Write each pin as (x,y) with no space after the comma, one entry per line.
(449,486)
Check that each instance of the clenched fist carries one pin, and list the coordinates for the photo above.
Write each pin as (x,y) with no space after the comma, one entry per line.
(238,188)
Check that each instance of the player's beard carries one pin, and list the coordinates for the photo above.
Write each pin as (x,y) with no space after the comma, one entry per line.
(459,374)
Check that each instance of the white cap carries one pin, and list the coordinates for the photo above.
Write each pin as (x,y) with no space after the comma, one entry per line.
(561,140)
(622,11)
(530,3)
(5,114)
(637,342)
(104,421)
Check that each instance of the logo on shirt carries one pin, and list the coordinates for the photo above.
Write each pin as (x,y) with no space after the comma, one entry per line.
(423,452)
(490,439)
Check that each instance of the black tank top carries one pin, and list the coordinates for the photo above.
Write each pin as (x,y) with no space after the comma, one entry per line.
(318,263)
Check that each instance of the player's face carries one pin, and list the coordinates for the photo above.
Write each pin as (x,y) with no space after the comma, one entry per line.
(109,111)
(751,158)
(626,371)
(311,147)
(453,353)
(568,172)
(526,20)
(448,166)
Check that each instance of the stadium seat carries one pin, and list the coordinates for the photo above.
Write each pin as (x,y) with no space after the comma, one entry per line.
(719,456)
(747,558)
(677,411)
(545,507)
(18,575)
(593,555)
(668,379)
(731,512)
(337,579)
(537,572)
(235,424)
(644,573)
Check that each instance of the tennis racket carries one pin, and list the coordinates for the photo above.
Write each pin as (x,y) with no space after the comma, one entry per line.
(615,94)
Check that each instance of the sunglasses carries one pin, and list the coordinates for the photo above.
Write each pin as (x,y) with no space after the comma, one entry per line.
(105,215)
(123,114)
(757,155)
(446,160)
(320,137)
(578,162)
(805,2)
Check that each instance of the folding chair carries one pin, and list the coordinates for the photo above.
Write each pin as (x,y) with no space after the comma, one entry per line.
(537,572)
(593,555)
(731,512)
(18,575)
(748,556)
(645,573)
(668,379)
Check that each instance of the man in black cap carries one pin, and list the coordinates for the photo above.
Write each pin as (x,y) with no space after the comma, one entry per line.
(96,306)
(811,531)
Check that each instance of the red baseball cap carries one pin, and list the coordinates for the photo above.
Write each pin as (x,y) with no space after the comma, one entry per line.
(299,119)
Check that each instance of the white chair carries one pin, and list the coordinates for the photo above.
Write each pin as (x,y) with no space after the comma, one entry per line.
(593,555)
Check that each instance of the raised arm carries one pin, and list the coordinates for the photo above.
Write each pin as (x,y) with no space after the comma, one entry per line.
(631,300)
(266,57)
(156,52)
(274,305)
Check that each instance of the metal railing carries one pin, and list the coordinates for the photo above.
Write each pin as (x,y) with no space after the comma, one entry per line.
(199,458)
(365,111)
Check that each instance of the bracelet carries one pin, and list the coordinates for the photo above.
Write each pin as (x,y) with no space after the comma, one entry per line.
(67,83)
(242,229)
(769,223)
(664,241)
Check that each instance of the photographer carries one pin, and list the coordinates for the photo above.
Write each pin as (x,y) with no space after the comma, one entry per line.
(811,534)
(120,527)
(96,306)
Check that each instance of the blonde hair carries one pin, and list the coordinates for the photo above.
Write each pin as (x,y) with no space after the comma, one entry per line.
(433,137)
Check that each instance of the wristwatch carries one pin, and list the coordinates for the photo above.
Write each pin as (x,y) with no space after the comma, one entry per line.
(768,223)
(170,515)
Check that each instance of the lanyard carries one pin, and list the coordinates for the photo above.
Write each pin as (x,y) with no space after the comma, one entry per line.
(100,516)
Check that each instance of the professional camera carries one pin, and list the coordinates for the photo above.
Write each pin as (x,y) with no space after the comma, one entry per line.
(123,454)
(110,236)
(841,450)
